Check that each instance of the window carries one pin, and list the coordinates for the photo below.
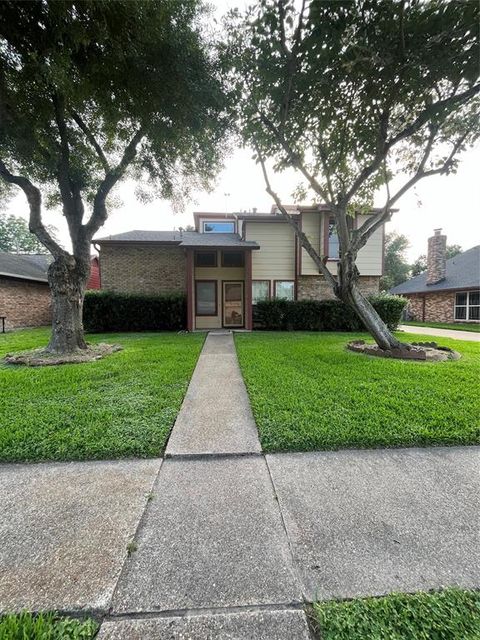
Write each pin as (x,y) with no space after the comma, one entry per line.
(467,305)
(333,244)
(233,259)
(205,258)
(218,227)
(205,297)
(285,289)
(260,290)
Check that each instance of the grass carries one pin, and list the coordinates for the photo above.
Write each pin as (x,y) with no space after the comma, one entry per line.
(308,392)
(121,406)
(45,626)
(452,614)
(457,326)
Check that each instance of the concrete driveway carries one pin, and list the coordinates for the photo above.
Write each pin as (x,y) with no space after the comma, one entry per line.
(454,334)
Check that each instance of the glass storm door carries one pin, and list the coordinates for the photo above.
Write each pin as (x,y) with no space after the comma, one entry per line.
(233,304)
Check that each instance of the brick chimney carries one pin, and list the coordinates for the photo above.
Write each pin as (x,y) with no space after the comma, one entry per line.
(437,257)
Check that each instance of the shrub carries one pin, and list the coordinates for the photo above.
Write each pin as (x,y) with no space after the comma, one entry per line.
(323,315)
(105,311)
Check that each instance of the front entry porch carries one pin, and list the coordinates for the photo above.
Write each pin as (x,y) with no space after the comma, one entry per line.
(219,289)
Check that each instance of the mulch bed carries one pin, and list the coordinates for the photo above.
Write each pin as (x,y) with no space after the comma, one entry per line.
(42,358)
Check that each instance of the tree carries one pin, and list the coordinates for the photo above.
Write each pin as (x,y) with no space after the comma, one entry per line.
(91,91)
(15,236)
(396,267)
(420,264)
(353,95)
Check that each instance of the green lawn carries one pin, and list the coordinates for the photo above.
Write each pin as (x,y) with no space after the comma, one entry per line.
(122,406)
(458,326)
(46,626)
(452,614)
(308,392)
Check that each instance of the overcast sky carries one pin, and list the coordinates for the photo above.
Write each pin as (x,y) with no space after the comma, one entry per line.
(450,202)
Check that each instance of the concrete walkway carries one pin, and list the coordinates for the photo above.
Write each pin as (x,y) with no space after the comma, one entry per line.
(215,416)
(229,543)
(442,333)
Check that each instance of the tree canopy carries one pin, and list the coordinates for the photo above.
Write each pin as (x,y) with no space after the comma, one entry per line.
(396,268)
(355,96)
(91,91)
(15,236)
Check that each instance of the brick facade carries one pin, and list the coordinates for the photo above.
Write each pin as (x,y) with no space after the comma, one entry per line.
(315,287)
(432,307)
(24,303)
(143,269)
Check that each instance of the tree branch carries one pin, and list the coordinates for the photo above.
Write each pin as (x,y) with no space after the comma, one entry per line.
(294,157)
(34,198)
(99,214)
(408,131)
(370,226)
(304,241)
(92,140)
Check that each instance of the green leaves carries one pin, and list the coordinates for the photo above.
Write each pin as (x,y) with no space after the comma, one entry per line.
(118,65)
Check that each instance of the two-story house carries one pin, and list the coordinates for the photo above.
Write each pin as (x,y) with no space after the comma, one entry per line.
(231,261)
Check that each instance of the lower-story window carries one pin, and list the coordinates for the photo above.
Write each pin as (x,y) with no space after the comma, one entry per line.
(260,290)
(285,289)
(467,305)
(205,297)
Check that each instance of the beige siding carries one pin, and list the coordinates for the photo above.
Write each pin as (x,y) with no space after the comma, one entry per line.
(370,258)
(311,227)
(276,258)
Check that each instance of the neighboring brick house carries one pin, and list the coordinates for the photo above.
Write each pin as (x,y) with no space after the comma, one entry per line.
(24,291)
(449,290)
(231,261)
(94,280)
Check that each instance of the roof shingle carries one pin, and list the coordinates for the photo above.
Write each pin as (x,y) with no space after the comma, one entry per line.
(463,272)
(25,266)
(181,238)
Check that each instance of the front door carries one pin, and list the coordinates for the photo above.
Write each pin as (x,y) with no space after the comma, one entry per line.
(233,304)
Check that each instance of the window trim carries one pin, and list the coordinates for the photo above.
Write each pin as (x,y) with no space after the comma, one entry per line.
(233,251)
(209,315)
(269,282)
(275,282)
(233,222)
(211,266)
(467,307)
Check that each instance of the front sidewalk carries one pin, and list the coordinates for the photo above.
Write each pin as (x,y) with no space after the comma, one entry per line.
(229,542)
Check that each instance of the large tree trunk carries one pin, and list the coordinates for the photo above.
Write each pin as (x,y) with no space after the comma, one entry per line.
(67,277)
(347,290)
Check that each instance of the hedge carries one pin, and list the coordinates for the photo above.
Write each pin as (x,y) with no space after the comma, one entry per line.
(323,315)
(105,311)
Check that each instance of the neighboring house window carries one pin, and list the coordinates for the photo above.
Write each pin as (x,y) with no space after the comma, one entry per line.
(285,289)
(260,290)
(467,305)
(218,227)
(206,297)
(233,259)
(205,258)
(333,245)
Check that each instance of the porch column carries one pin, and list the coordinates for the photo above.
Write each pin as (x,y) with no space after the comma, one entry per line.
(190,306)
(248,290)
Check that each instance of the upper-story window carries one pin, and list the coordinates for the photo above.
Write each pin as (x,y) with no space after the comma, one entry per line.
(333,244)
(218,226)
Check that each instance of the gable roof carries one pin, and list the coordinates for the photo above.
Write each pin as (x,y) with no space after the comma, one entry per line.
(463,272)
(25,266)
(180,238)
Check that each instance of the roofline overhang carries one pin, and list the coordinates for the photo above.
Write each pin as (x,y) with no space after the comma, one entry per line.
(179,244)
(474,287)
(17,276)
